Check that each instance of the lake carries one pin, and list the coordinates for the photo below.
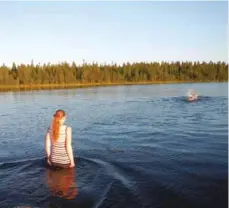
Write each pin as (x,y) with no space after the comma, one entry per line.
(134,146)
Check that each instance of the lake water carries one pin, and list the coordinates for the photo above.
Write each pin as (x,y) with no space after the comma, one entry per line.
(134,146)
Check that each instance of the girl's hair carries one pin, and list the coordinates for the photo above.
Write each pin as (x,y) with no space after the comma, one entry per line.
(56,123)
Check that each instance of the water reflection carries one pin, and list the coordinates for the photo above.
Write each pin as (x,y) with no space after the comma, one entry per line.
(61,182)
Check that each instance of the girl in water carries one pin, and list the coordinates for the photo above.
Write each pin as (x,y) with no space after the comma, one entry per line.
(58,142)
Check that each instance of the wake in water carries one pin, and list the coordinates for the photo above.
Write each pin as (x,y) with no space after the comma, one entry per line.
(183,99)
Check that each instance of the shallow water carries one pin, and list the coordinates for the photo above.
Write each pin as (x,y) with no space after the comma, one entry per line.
(134,146)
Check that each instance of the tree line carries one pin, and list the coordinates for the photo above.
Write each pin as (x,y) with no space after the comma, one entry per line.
(70,73)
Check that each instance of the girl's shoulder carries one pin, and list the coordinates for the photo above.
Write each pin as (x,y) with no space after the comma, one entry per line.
(49,129)
(67,127)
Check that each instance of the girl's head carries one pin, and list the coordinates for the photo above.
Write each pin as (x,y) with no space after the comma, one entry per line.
(58,119)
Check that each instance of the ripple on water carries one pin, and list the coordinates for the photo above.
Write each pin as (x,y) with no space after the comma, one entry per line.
(141,146)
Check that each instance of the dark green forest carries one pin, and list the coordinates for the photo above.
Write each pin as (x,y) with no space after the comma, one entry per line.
(65,73)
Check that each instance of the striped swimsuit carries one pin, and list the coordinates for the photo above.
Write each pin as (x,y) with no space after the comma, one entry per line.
(59,155)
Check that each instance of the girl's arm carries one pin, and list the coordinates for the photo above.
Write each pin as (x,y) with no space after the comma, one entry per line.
(47,145)
(69,146)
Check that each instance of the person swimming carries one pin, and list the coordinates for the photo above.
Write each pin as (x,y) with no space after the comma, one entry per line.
(192,95)
(58,142)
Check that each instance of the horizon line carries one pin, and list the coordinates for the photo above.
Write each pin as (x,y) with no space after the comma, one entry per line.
(112,62)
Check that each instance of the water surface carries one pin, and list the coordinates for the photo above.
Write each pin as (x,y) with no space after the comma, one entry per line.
(134,146)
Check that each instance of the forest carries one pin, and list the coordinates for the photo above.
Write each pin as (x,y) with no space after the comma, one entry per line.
(69,74)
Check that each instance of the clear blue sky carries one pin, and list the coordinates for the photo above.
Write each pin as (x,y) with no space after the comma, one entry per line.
(112,31)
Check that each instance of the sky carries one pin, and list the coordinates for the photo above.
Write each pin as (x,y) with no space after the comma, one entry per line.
(106,32)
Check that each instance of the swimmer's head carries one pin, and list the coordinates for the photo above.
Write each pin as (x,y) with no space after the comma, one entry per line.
(190,92)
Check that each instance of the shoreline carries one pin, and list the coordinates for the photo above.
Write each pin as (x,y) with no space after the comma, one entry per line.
(34,87)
